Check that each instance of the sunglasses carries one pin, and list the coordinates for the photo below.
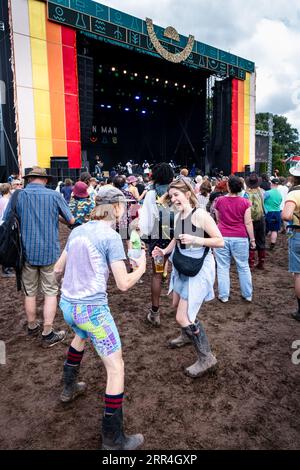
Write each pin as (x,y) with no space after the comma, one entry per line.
(185,180)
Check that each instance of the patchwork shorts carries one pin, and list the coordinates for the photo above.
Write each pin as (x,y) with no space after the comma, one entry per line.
(94,322)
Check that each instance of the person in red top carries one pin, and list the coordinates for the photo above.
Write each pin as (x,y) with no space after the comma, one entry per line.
(233,215)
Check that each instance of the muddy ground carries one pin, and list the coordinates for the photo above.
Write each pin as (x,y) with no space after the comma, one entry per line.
(250,402)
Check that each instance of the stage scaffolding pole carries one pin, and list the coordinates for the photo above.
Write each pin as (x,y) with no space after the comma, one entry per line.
(271,134)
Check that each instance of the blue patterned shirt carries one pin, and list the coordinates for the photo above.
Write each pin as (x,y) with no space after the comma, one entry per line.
(38,209)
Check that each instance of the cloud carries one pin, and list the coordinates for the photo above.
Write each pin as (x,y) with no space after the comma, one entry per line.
(264,31)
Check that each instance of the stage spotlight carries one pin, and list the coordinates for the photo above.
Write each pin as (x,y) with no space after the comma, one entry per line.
(166,82)
(183,86)
(155,101)
(113,69)
(124,71)
(135,74)
(143,111)
(108,106)
(127,109)
(102,105)
(137,97)
(146,77)
(157,79)
(176,84)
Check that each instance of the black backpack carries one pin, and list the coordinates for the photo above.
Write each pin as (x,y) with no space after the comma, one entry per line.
(11,250)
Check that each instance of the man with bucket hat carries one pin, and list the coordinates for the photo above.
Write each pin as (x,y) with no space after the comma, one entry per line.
(291,213)
(39,209)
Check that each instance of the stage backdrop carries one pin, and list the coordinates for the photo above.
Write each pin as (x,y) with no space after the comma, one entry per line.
(46,81)
(45,66)
(243,123)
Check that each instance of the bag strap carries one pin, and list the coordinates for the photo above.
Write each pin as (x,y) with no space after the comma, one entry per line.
(14,199)
(206,250)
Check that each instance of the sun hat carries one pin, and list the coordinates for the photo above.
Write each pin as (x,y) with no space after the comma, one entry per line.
(109,195)
(38,172)
(295,171)
(131,179)
(80,189)
(252,181)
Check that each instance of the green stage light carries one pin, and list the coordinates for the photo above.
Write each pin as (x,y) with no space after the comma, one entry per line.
(116,74)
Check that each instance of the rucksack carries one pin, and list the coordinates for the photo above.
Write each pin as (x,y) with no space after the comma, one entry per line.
(11,250)
(257,208)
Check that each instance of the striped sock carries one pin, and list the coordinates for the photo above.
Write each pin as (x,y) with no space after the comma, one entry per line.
(74,357)
(112,403)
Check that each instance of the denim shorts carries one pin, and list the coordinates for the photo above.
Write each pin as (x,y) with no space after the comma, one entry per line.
(181,286)
(294,252)
(273,221)
(94,322)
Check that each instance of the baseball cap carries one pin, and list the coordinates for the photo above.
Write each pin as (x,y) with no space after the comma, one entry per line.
(109,196)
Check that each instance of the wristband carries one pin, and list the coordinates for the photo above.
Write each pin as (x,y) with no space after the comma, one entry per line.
(252,240)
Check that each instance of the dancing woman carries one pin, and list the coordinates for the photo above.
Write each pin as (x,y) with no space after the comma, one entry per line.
(194,231)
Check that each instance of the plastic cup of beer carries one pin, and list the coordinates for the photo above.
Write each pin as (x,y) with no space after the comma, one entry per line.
(159,264)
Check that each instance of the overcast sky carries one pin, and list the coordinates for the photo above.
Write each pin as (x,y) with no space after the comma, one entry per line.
(264,31)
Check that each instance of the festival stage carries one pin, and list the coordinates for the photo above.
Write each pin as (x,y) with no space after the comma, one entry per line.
(90,80)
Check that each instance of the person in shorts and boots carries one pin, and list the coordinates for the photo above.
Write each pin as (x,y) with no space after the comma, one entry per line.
(195,233)
(91,251)
(39,209)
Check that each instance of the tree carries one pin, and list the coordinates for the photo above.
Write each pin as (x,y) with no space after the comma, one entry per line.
(285,141)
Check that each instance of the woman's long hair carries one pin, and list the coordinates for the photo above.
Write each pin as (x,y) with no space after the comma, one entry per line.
(183,185)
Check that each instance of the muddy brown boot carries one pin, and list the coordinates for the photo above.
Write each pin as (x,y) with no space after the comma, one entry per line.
(206,360)
(201,366)
(72,388)
(180,341)
(251,258)
(261,259)
(113,437)
(153,317)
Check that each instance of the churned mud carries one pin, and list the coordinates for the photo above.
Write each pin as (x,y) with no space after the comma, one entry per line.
(252,401)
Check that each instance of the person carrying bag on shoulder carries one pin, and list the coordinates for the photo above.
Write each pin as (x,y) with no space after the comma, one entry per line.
(193,272)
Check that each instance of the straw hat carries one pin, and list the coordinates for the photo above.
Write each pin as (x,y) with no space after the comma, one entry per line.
(38,172)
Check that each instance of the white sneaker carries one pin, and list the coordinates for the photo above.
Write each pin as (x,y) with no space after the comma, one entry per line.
(223,299)
(248,299)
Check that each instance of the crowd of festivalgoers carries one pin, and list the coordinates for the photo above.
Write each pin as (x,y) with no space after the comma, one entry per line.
(196,223)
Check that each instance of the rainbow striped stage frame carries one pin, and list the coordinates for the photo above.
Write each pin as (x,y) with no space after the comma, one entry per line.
(46,81)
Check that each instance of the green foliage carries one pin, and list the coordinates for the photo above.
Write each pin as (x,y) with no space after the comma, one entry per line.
(285,141)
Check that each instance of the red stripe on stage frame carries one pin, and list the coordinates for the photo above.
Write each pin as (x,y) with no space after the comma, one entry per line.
(234,127)
(68,36)
(71,97)
(74,154)
(70,70)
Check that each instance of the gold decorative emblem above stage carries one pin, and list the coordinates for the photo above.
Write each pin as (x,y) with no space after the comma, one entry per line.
(170,33)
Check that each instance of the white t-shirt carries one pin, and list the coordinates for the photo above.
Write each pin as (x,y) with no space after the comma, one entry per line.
(283,191)
(129,168)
